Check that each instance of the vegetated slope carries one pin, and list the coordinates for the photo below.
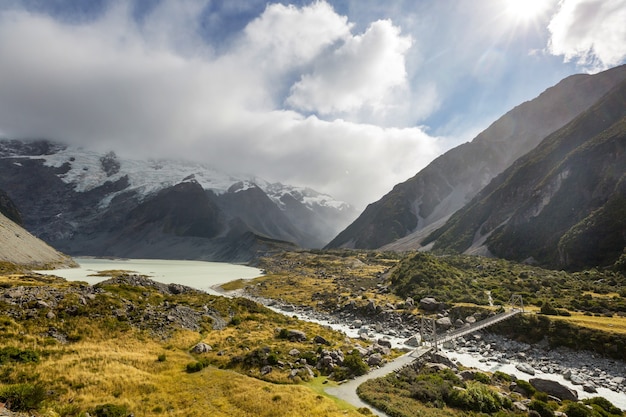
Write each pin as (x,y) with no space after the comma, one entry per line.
(150,349)
(91,203)
(561,205)
(19,247)
(452,180)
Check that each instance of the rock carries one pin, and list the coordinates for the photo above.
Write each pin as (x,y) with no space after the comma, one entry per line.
(375,359)
(470,319)
(50,315)
(520,406)
(385,343)
(266,370)
(436,366)
(201,348)
(429,304)
(409,302)
(589,387)
(526,368)
(444,323)
(320,340)
(42,304)
(296,336)
(414,341)
(468,374)
(554,388)
(577,379)
(294,352)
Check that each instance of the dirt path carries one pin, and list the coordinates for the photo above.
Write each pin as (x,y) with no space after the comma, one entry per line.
(347,391)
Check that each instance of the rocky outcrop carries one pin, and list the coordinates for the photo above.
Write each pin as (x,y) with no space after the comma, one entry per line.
(554,388)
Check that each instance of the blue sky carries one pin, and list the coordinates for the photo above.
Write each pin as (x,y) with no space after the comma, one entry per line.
(348,97)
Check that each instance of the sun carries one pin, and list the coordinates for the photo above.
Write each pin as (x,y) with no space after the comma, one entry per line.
(525,9)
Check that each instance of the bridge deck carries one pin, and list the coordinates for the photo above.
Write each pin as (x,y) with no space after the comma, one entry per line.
(490,321)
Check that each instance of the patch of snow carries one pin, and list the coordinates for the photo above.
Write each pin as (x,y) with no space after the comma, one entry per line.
(147,177)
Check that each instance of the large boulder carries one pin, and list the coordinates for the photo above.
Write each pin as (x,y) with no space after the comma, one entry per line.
(554,388)
(429,304)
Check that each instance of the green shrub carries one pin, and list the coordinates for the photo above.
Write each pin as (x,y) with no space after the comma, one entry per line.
(13,354)
(162,357)
(23,397)
(477,397)
(355,364)
(525,385)
(541,407)
(604,404)
(480,377)
(111,410)
(194,367)
(577,410)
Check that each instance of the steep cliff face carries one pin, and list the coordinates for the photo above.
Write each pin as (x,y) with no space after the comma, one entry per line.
(453,179)
(561,205)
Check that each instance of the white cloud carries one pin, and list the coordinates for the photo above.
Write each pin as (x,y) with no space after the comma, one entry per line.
(129,87)
(591,32)
(364,71)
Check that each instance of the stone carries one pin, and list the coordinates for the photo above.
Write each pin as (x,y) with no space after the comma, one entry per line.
(320,340)
(554,388)
(50,315)
(444,323)
(589,387)
(526,368)
(414,341)
(296,336)
(385,343)
(294,352)
(429,304)
(375,359)
(201,348)
(266,370)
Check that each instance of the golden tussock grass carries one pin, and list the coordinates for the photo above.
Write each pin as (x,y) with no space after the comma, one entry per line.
(605,324)
(149,377)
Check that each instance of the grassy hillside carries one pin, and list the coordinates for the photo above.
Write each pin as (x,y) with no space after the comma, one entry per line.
(126,346)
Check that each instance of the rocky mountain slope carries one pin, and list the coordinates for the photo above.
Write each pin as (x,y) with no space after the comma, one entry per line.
(90,203)
(403,217)
(19,247)
(562,205)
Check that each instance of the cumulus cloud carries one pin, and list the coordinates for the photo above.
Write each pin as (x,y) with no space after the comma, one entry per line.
(591,32)
(364,71)
(155,88)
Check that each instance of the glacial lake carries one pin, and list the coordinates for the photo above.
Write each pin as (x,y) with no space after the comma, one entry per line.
(197,274)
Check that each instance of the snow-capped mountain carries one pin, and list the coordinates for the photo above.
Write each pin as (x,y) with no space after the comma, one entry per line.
(74,198)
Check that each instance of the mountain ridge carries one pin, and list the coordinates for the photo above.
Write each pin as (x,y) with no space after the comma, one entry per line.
(396,220)
(563,204)
(86,202)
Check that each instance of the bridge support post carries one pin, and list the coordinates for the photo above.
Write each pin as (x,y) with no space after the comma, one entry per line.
(516,301)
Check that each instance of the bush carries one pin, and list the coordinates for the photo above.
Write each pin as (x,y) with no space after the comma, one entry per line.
(604,404)
(477,397)
(23,397)
(194,367)
(355,364)
(577,410)
(542,408)
(111,410)
(13,354)
(480,377)
(548,310)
